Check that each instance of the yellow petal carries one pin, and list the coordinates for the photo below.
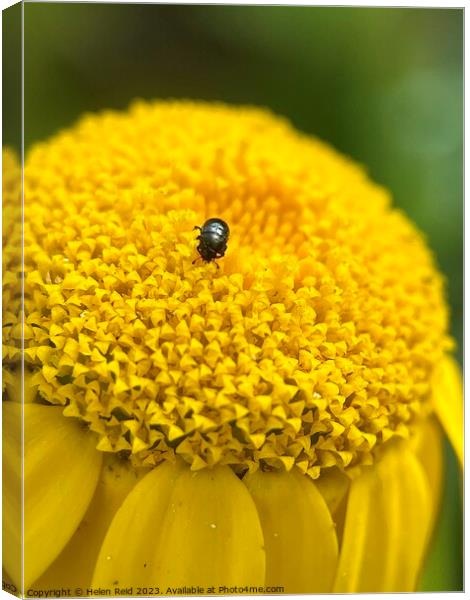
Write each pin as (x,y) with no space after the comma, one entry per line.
(386,528)
(428,447)
(213,513)
(75,565)
(333,486)
(61,471)
(179,527)
(448,402)
(11,498)
(16,392)
(409,506)
(127,554)
(299,534)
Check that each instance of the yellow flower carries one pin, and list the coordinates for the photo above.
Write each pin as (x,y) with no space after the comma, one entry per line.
(270,423)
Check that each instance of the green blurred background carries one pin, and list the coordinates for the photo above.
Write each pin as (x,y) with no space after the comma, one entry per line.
(384,85)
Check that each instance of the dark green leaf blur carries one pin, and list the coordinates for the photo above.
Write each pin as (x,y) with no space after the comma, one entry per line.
(383,85)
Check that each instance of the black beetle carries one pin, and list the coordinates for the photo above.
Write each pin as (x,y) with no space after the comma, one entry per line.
(212,239)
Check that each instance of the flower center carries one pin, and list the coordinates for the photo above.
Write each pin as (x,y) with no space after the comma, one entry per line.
(312,344)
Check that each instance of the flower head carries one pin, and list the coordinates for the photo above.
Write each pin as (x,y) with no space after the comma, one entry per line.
(311,350)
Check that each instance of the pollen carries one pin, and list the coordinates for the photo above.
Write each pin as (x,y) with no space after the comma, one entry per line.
(312,345)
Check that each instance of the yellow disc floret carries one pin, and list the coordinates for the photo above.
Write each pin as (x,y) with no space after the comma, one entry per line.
(312,344)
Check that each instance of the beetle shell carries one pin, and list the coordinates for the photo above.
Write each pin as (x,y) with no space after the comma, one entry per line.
(213,239)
